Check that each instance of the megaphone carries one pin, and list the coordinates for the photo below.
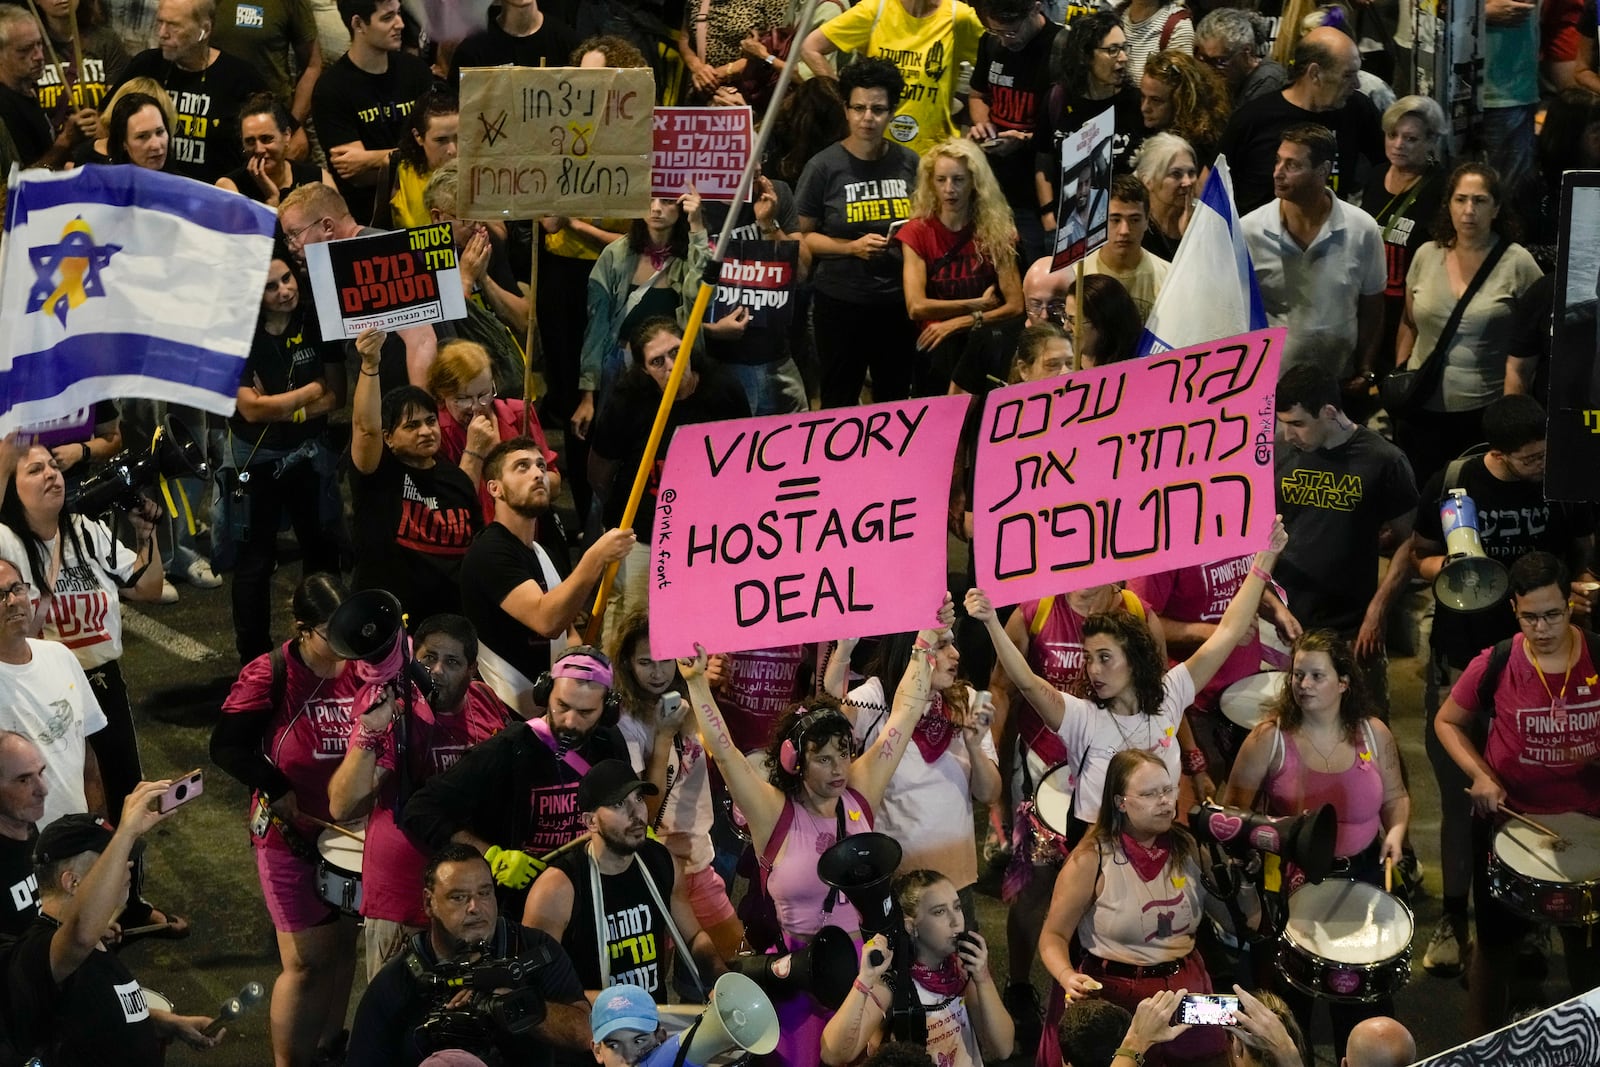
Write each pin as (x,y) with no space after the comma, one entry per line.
(739,1016)
(1304,840)
(365,625)
(174,453)
(825,968)
(1469,581)
(860,867)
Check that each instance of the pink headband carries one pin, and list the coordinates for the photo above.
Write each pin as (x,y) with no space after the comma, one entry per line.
(583,668)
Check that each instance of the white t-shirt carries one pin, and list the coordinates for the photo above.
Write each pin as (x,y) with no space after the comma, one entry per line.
(951,1041)
(49,700)
(84,615)
(686,812)
(1086,727)
(928,806)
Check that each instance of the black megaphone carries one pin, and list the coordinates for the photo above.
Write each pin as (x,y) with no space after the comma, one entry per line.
(365,625)
(860,867)
(1305,840)
(825,968)
(120,483)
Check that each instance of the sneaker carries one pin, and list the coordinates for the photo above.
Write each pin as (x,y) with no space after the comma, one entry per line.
(1447,948)
(1410,871)
(200,575)
(996,848)
(169,592)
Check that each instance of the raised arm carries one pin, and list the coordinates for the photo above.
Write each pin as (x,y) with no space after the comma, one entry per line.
(366,415)
(1034,689)
(871,773)
(1238,622)
(356,782)
(761,801)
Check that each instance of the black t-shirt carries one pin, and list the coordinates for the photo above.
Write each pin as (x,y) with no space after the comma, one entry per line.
(395,1004)
(20,906)
(280,364)
(849,198)
(415,528)
(205,142)
(496,564)
(1334,501)
(350,105)
(1514,519)
(1015,85)
(637,941)
(549,46)
(299,174)
(1256,129)
(27,123)
(623,428)
(759,345)
(97,1016)
(1061,114)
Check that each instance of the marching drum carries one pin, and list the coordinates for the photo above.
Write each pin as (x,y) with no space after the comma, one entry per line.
(1245,702)
(153,1000)
(1545,879)
(1050,814)
(339,870)
(1346,941)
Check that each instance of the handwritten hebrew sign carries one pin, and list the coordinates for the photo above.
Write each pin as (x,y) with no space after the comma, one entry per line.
(706,146)
(798,528)
(385,281)
(1123,471)
(554,141)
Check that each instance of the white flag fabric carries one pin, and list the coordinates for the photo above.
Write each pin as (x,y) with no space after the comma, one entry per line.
(1211,291)
(124,282)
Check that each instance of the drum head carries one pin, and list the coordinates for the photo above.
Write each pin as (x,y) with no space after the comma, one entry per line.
(1052,801)
(1538,856)
(341,852)
(1348,922)
(155,1001)
(1245,702)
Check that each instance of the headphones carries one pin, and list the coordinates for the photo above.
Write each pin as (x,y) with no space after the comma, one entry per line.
(793,745)
(589,665)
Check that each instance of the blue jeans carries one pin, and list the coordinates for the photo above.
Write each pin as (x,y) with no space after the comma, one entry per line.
(771,388)
(1508,145)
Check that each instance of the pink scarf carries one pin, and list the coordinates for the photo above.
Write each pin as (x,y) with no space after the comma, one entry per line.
(947,980)
(1148,862)
(934,731)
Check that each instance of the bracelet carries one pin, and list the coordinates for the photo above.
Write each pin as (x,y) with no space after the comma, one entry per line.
(1133,1054)
(867,992)
(770,60)
(369,373)
(371,742)
(475,455)
(86,453)
(1257,572)
(299,415)
(1194,761)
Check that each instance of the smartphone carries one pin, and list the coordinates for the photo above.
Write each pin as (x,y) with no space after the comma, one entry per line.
(895,225)
(1208,1009)
(671,701)
(181,791)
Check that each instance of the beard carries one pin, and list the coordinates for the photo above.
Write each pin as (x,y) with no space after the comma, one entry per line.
(620,842)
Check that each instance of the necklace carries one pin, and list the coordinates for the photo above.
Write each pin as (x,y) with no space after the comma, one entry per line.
(1325,755)
(1558,703)
(1127,737)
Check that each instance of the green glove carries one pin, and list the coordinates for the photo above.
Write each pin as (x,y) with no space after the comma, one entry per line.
(512,868)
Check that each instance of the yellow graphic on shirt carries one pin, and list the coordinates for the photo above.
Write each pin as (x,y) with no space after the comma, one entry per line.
(1321,489)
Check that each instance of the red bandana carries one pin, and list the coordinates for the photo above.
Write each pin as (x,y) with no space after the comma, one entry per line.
(948,980)
(1148,862)
(934,731)
(658,257)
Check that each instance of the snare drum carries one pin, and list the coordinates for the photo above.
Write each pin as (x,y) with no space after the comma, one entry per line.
(339,870)
(153,1000)
(1346,941)
(1531,877)
(1050,814)
(1245,702)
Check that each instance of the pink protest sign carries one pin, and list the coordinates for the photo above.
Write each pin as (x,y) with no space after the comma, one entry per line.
(706,146)
(798,528)
(1138,467)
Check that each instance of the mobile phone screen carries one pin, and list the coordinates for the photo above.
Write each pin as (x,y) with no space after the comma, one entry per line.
(1209,1009)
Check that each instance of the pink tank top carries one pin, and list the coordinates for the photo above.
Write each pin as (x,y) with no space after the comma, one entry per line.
(1356,793)
(797,893)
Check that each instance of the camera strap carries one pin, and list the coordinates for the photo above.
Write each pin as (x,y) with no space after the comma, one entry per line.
(596,890)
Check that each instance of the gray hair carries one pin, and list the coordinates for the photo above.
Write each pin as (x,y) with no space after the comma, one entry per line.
(440,192)
(1155,156)
(1425,109)
(1232,27)
(10,16)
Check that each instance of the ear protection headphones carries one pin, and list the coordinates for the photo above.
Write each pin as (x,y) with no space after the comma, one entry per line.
(583,663)
(793,745)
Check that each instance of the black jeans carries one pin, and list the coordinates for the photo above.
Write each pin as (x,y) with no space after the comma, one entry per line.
(297,491)
(855,338)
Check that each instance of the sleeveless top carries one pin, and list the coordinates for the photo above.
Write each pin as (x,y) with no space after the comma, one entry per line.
(1356,793)
(797,893)
(1142,923)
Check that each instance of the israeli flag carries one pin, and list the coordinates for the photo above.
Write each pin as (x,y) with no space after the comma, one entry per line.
(123,282)
(1210,292)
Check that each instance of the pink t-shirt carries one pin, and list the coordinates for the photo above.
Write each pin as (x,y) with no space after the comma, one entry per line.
(1201,594)
(392,863)
(1356,793)
(1545,759)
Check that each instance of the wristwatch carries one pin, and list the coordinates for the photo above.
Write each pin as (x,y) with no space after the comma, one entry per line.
(977,318)
(86,453)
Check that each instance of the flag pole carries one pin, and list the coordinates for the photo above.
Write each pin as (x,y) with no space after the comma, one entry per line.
(1077,318)
(702,300)
(533,330)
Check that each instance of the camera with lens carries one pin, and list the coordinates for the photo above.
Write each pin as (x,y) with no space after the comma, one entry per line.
(120,484)
(501,1003)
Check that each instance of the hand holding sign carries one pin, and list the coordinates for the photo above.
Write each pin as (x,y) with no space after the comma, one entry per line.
(689,204)
(978,607)
(694,666)
(370,345)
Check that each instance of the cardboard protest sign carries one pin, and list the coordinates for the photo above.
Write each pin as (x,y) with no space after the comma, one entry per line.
(758,276)
(1127,470)
(706,146)
(799,528)
(1574,388)
(1085,198)
(385,281)
(1566,1035)
(554,140)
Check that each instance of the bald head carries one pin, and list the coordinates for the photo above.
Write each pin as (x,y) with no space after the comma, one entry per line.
(1327,69)
(22,785)
(1042,287)
(1379,1042)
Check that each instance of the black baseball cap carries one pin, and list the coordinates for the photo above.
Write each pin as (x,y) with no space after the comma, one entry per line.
(73,835)
(611,781)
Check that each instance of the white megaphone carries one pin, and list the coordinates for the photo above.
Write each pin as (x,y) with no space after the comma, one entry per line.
(1469,581)
(739,1016)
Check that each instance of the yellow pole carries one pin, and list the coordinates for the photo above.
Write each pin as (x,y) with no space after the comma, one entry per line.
(1077,320)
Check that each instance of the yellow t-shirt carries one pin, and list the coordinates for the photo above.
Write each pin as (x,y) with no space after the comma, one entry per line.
(928,51)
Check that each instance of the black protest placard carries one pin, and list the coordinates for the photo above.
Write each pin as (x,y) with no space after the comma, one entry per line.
(759,276)
(386,281)
(1570,388)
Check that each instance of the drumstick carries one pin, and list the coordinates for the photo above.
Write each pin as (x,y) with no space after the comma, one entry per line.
(1559,841)
(335,827)
(1388,874)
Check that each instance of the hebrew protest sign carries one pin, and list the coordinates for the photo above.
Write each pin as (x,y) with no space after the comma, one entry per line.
(554,140)
(706,146)
(385,281)
(1126,470)
(758,276)
(799,528)
(1085,200)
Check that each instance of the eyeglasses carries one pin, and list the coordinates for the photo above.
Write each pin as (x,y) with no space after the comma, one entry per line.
(875,110)
(17,589)
(1150,796)
(476,400)
(1113,49)
(1545,618)
(1054,309)
(293,236)
(1216,62)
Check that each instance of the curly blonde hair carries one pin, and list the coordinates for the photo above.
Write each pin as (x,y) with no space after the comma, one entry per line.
(994,231)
